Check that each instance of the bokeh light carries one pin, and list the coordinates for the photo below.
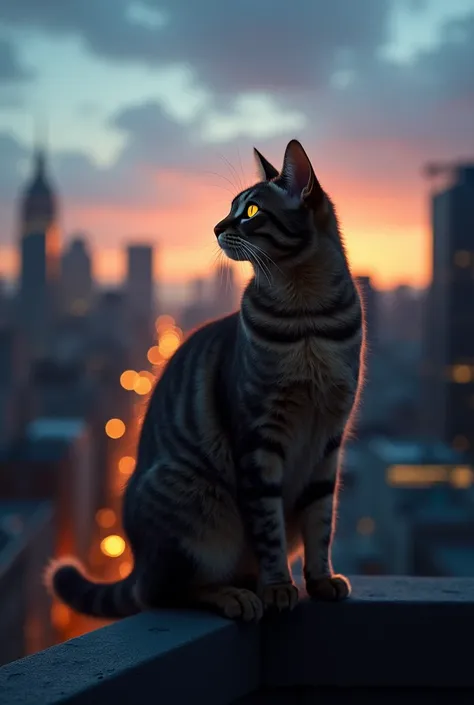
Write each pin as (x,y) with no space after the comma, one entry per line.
(126,465)
(105,518)
(462,477)
(169,342)
(125,568)
(112,546)
(164,322)
(154,355)
(60,615)
(115,428)
(128,379)
(142,385)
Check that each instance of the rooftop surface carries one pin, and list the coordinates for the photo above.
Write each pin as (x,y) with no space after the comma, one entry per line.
(397,640)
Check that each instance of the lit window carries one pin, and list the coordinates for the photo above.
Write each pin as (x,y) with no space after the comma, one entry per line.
(416,475)
(366,526)
(462,258)
(460,443)
(461,374)
(79,307)
(461,477)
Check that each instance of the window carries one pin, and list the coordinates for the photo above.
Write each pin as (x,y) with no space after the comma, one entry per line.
(462,258)
(461,374)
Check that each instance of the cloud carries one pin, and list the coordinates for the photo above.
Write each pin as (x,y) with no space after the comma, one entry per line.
(11,69)
(246,47)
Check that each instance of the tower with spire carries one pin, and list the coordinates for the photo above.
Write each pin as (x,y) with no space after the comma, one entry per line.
(39,256)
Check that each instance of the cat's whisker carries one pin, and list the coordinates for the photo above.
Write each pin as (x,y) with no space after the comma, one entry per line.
(225,178)
(259,257)
(265,254)
(257,260)
(234,170)
(241,165)
(259,264)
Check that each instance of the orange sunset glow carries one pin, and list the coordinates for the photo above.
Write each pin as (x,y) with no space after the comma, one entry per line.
(389,242)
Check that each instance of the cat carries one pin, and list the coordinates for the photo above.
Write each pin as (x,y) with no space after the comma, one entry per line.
(238,458)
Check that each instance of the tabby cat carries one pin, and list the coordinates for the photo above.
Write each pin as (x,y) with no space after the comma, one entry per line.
(237,467)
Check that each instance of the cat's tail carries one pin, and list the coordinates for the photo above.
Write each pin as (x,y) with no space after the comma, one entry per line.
(67,580)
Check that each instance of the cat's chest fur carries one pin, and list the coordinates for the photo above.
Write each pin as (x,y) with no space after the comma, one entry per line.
(317,399)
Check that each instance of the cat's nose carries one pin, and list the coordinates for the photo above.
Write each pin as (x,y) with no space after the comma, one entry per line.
(220,228)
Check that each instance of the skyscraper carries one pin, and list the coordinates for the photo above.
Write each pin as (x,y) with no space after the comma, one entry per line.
(448,366)
(139,285)
(39,255)
(76,278)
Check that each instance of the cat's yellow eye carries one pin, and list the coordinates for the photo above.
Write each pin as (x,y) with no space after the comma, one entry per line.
(252,210)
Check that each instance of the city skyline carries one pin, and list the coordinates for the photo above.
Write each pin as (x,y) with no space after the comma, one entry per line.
(138,149)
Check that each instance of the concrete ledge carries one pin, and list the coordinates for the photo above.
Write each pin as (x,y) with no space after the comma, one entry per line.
(164,657)
(393,632)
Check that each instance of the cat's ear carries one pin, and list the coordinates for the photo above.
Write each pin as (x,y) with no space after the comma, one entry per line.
(266,170)
(299,177)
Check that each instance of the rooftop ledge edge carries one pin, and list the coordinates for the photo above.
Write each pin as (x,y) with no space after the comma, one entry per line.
(393,631)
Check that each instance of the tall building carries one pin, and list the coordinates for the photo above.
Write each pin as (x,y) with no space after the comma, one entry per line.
(76,278)
(26,545)
(39,256)
(139,286)
(448,365)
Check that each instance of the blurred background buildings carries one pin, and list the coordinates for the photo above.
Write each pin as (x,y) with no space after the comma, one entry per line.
(372,88)
(78,362)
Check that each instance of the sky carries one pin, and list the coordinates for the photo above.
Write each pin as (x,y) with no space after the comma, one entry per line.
(150,110)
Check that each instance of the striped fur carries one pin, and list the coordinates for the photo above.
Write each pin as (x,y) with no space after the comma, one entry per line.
(238,458)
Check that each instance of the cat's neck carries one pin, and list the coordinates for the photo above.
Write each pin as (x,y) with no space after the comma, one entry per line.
(307,285)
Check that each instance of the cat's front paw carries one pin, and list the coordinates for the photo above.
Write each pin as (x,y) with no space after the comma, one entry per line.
(329,588)
(282,596)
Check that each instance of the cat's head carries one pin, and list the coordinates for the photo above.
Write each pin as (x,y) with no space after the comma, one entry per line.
(281,216)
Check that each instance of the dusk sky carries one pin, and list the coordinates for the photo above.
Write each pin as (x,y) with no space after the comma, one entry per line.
(146,102)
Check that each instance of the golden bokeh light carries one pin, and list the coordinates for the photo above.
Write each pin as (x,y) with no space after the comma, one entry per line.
(462,477)
(154,355)
(164,322)
(462,374)
(128,379)
(126,465)
(112,546)
(60,615)
(149,375)
(105,518)
(115,428)
(125,568)
(142,385)
(169,342)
